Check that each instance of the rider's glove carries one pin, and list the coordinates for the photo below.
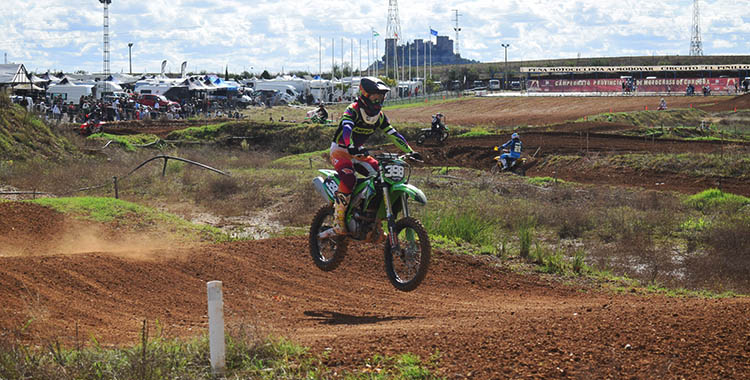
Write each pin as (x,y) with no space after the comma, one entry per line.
(416,156)
(358,151)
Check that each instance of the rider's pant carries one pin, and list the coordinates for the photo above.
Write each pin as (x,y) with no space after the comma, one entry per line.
(345,165)
(508,158)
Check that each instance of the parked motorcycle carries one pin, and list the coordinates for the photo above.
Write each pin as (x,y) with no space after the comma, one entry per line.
(375,200)
(518,166)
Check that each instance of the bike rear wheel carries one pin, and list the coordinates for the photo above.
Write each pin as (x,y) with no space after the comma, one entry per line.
(407,266)
(328,253)
(495,168)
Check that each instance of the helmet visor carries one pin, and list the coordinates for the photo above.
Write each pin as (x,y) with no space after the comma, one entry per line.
(376,98)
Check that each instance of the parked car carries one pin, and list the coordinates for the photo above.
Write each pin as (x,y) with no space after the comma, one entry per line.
(150,100)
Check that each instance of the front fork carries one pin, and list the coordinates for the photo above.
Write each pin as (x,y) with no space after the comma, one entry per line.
(392,237)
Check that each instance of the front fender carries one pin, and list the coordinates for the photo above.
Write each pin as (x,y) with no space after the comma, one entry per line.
(411,190)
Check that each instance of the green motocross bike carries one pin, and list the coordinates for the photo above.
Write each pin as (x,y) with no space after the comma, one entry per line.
(375,200)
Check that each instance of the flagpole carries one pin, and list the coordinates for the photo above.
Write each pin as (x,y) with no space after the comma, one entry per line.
(320,56)
(408,47)
(333,61)
(351,56)
(342,57)
(430,52)
(360,57)
(369,69)
(425,62)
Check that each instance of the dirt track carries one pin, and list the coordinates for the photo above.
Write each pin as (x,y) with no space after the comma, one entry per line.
(522,111)
(485,321)
(477,153)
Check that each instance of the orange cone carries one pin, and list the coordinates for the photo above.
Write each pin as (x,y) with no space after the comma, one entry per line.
(646,108)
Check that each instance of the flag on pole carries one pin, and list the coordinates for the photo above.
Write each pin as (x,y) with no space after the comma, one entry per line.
(374,33)
(433,32)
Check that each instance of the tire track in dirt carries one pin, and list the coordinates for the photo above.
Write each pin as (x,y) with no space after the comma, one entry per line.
(485,321)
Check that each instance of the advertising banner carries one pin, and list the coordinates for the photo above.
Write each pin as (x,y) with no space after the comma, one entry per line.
(629,69)
(717,85)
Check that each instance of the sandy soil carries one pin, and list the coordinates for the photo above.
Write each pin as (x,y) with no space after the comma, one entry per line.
(485,321)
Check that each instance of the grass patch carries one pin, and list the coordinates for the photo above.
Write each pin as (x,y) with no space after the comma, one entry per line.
(543,181)
(302,159)
(477,133)
(129,142)
(715,198)
(247,357)
(130,215)
(460,225)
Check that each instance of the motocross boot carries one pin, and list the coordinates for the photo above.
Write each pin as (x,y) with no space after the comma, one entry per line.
(339,213)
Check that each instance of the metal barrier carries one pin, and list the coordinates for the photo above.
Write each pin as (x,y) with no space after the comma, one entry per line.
(115,179)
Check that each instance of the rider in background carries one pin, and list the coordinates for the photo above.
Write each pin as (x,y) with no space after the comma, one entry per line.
(662,104)
(360,120)
(437,123)
(322,112)
(514,146)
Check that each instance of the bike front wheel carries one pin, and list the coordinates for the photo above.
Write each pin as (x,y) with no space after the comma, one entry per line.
(406,265)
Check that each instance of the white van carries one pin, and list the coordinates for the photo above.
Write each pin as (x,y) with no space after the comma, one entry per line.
(494,84)
(70,92)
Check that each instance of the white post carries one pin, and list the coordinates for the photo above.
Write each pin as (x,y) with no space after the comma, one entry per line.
(216,327)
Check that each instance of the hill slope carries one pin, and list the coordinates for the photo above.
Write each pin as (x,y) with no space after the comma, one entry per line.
(24,137)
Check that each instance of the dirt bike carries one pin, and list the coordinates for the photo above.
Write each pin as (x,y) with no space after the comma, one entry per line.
(91,126)
(429,133)
(375,199)
(518,166)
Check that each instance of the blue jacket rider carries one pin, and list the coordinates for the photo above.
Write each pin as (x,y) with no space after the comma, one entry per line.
(514,147)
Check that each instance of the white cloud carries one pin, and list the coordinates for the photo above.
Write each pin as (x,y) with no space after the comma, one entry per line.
(265,34)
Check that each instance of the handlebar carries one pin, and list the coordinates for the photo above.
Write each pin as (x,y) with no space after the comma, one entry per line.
(386,156)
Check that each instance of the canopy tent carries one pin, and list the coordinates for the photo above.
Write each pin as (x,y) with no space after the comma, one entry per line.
(37,80)
(13,74)
(27,87)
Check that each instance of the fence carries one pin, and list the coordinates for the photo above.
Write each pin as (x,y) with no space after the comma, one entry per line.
(116,180)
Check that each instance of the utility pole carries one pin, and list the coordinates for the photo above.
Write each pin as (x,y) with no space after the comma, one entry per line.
(320,55)
(333,61)
(457,29)
(130,56)
(505,81)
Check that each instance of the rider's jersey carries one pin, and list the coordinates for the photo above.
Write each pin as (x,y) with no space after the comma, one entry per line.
(514,146)
(354,132)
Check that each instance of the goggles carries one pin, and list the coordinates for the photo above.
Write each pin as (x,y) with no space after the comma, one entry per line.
(376,98)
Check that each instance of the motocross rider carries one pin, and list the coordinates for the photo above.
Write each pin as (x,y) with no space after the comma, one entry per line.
(360,120)
(322,112)
(437,123)
(514,146)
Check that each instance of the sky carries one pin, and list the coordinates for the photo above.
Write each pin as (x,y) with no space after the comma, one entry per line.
(296,35)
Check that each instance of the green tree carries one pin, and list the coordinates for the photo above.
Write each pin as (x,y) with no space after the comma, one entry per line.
(265,75)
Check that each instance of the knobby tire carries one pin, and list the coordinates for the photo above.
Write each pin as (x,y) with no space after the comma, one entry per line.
(340,242)
(424,255)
